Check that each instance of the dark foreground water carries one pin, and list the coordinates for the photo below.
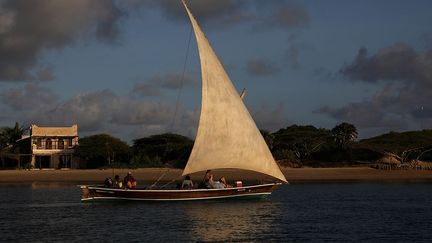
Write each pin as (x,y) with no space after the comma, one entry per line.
(302,212)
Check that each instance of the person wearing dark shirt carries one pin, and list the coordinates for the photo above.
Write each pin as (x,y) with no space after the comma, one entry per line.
(129,181)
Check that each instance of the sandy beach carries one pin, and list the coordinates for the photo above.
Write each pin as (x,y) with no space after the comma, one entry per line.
(293,175)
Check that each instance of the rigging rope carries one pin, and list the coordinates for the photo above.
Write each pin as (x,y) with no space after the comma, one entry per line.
(181,82)
(173,180)
(160,177)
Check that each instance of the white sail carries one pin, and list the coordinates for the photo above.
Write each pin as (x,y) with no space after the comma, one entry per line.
(227,136)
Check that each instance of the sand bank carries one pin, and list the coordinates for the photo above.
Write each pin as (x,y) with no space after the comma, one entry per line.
(297,175)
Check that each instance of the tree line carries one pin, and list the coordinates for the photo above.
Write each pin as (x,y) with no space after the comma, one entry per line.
(294,146)
(164,150)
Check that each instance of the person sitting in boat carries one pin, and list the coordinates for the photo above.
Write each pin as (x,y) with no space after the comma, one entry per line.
(108,182)
(187,183)
(117,182)
(204,184)
(129,181)
(208,180)
(215,184)
(207,176)
(223,181)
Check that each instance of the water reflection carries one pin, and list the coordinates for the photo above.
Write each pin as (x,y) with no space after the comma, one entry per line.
(231,220)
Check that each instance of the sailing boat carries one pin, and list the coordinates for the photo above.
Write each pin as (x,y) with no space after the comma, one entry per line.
(227,137)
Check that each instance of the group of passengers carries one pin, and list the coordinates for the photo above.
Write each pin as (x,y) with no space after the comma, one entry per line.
(128,182)
(208,182)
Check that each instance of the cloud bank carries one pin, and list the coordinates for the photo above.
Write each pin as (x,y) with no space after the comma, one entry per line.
(29,27)
(155,86)
(404,101)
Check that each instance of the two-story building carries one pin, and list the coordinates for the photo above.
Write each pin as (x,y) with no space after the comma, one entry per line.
(53,147)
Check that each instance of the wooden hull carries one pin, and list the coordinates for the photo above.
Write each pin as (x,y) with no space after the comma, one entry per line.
(97,193)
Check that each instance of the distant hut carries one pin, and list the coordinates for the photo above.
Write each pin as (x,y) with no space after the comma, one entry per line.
(388,162)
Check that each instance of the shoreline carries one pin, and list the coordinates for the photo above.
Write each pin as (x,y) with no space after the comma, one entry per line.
(149,175)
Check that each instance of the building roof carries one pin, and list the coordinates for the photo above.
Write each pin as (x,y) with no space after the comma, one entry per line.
(54,131)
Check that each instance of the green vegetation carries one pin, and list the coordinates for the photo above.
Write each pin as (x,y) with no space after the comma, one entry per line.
(298,146)
(102,150)
(11,145)
(165,150)
(168,149)
(344,134)
(9,136)
(405,146)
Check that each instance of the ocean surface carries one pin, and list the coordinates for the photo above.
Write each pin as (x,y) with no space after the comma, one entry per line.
(359,212)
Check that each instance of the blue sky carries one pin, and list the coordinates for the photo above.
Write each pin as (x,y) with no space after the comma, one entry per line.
(115,66)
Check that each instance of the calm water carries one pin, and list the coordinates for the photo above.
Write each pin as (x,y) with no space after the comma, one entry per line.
(303,212)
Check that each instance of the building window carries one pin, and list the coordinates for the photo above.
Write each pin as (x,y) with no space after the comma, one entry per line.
(60,144)
(69,142)
(39,143)
(48,144)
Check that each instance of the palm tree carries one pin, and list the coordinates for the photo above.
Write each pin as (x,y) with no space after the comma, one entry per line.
(10,135)
(344,133)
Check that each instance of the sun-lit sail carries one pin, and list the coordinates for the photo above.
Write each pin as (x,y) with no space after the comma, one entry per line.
(227,136)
